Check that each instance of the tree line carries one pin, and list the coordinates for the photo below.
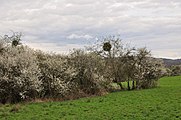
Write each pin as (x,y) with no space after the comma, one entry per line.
(27,74)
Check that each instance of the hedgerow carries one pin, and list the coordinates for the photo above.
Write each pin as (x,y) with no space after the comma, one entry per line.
(26,74)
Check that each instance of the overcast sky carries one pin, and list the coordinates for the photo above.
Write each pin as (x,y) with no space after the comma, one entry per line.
(59,25)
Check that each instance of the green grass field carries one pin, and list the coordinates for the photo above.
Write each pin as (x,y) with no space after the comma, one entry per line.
(163,102)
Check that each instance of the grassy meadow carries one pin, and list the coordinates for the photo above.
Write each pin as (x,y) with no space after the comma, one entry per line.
(163,102)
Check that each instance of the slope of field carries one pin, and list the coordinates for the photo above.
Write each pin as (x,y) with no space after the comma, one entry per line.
(162,103)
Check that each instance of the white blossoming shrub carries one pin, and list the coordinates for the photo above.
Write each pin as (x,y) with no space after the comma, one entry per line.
(26,74)
(57,75)
(151,73)
(90,71)
(19,74)
(148,70)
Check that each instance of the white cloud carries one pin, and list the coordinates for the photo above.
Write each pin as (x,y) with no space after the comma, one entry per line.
(151,23)
(171,53)
(53,47)
(75,36)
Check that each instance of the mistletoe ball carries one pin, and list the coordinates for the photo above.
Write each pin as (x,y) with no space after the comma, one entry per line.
(107,46)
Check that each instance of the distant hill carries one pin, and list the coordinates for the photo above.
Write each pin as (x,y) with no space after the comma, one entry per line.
(170,62)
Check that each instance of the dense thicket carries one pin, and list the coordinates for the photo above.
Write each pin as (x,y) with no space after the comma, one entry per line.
(26,74)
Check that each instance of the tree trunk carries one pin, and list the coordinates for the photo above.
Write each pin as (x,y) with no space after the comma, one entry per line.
(133,85)
(128,84)
(120,84)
